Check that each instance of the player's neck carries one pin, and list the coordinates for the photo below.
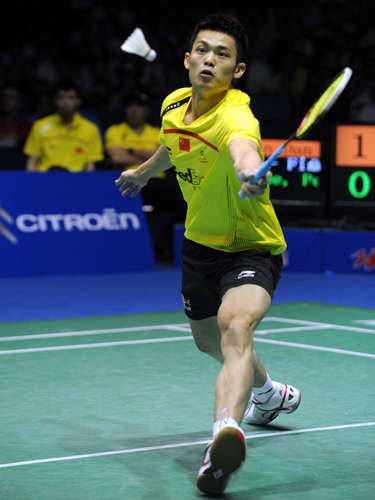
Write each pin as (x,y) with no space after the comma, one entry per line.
(67,120)
(201,103)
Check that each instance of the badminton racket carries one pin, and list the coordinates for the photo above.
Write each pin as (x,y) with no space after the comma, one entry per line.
(320,107)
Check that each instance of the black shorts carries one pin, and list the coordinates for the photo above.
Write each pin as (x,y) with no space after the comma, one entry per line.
(207,274)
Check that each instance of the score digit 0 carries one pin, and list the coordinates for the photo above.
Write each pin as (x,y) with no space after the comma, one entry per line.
(353,184)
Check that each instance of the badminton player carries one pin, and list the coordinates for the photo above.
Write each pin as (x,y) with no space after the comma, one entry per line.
(232,247)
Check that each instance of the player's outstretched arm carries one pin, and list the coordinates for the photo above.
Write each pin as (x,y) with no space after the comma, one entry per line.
(246,161)
(132,181)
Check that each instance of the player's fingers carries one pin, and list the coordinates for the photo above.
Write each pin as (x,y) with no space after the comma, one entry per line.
(126,188)
(263,181)
(135,192)
(249,190)
(119,180)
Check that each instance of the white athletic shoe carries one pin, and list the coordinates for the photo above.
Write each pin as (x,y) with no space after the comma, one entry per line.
(284,400)
(222,457)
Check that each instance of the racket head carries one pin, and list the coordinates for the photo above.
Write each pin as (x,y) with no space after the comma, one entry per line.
(324,102)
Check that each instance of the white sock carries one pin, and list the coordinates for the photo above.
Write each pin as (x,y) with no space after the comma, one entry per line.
(262,394)
(220,424)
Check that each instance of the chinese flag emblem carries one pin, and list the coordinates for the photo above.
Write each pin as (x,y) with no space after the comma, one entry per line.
(184,144)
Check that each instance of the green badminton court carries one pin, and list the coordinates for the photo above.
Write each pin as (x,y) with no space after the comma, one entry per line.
(121,407)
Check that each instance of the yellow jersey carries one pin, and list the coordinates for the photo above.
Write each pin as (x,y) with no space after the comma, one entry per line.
(56,145)
(216,216)
(123,135)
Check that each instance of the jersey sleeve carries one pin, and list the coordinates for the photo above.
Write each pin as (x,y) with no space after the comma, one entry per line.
(113,137)
(245,126)
(95,148)
(161,138)
(33,144)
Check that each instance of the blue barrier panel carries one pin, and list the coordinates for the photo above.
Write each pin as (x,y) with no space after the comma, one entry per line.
(61,222)
(304,250)
(349,251)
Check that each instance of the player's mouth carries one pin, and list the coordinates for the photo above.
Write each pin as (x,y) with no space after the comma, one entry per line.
(206,74)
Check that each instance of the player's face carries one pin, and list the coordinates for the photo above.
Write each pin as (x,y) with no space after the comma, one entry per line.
(212,61)
(67,102)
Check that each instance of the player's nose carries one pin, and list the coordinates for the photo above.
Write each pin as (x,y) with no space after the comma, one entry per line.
(209,59)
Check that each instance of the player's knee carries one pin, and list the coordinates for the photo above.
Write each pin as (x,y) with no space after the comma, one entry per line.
(235,322)
(237,332)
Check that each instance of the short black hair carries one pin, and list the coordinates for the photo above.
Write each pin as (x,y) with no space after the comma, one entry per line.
(139,98)
(66,84)
(224,23)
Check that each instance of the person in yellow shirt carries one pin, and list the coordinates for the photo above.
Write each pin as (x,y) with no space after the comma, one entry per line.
(64,140)
(133,141)
(129,144)
(232,246)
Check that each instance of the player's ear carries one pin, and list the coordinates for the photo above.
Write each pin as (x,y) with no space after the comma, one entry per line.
(240,70)
(187,60)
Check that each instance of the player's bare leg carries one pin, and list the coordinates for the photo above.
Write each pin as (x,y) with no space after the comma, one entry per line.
(241,311)
(207,336)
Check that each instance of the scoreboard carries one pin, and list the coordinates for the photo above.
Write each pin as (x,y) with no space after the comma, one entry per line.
(297,175)
(352,186)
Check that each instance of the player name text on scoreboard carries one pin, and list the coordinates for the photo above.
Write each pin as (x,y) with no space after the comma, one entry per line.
(308,149)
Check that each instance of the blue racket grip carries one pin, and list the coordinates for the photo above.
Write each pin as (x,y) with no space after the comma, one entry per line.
(264,168)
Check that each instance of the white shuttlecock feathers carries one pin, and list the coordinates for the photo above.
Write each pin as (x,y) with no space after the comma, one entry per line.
(136,44)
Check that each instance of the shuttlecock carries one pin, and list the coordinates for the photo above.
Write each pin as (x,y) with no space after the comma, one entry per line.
(136,44)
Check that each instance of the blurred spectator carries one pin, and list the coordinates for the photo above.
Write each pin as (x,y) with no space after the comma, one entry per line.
(14,126)
(130,143)
(64,140)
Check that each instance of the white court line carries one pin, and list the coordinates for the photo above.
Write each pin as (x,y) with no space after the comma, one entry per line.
(293,329)
(314,348)
(92,346)
(184,327)
(178,327)
(181,445)
(322,325)
(177,339)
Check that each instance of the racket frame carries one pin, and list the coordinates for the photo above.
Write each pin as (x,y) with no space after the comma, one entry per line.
(266,166)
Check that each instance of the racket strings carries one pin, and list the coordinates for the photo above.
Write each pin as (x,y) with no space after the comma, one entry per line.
(324,102)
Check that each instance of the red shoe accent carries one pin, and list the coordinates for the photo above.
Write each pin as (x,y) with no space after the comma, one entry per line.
(242,439)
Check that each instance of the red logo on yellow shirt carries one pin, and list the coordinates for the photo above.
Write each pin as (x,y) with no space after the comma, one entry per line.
(184,144)
(79,150)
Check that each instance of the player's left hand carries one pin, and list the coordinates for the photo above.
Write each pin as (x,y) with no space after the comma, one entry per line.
(130,182)
(250,190)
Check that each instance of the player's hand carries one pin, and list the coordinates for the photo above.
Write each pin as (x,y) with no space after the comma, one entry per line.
(130,183)
(250,190)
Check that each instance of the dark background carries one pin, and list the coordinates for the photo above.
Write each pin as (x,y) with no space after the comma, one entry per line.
(295,50)
(297,47)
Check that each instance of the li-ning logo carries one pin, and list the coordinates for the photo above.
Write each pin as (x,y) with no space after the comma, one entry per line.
(5,231)
(246,274)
